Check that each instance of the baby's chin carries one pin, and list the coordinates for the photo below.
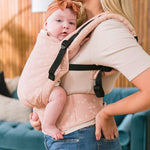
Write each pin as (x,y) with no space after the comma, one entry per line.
(61,37)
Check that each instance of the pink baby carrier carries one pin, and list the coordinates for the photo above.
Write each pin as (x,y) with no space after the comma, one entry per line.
(49,61)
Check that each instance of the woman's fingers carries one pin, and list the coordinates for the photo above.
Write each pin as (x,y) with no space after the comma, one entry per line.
(36,124)
(98,128)
(34,120)
(98,131)
(34,116)
(106,125)
(116,134)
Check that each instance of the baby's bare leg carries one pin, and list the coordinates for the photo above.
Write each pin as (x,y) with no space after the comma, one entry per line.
(53,110)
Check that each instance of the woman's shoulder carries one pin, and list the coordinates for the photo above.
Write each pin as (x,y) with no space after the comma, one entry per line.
(114,21)
(113,30)
(112,25)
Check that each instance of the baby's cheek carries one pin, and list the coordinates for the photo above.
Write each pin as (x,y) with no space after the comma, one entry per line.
(72,29)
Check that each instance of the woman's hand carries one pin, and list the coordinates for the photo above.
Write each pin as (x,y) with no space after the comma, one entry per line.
(35,121)
(105,124)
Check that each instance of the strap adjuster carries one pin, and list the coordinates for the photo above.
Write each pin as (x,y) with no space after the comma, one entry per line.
(64,44)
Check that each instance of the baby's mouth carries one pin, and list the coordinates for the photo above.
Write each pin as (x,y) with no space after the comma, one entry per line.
(64,33)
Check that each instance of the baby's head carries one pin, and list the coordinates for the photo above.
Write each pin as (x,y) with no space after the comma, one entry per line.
(63,18)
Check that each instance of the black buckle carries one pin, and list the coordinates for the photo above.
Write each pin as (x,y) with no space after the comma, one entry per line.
(64,44)
(99,91)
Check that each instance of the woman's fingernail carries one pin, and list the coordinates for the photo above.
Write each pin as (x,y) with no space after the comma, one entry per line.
(97,138)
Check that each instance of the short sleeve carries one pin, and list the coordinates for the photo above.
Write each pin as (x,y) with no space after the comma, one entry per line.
(112,44)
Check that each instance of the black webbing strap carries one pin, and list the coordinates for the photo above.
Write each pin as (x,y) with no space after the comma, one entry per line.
(98,89)
(64,45)
(84,67)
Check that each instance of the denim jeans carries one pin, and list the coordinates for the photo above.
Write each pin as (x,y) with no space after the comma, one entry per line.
(83,139)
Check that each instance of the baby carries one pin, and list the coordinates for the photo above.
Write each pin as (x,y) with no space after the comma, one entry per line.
(58,24)
(61,20)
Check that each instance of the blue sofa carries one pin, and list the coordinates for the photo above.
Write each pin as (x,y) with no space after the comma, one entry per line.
(132,129)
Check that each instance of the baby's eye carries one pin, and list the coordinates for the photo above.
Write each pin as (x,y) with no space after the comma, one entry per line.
(72,23)
(58,20)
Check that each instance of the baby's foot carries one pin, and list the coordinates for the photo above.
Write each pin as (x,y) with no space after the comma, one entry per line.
(54,132)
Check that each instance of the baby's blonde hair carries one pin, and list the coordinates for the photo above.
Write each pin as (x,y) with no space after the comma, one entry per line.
(121,7)
(81,16)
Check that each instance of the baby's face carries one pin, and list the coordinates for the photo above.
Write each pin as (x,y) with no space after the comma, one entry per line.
(61,23)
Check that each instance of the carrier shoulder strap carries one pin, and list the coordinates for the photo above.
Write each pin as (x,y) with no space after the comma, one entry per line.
(85,30)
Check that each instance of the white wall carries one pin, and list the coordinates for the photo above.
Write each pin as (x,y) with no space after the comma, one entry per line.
(40,5)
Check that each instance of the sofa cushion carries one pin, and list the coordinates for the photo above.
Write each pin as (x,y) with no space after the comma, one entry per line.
(13,110)
(3,87)
(20,136)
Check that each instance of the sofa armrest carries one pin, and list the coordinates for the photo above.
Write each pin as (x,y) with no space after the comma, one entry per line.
(139,131)
(124,130)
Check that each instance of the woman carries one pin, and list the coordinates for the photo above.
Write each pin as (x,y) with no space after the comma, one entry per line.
(111,44)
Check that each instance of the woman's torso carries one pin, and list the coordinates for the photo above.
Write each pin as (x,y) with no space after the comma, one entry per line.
(111,44)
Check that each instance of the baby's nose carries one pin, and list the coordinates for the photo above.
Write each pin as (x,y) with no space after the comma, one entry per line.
(66,25)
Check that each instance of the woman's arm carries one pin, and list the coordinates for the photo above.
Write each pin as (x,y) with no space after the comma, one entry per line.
(139,101)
